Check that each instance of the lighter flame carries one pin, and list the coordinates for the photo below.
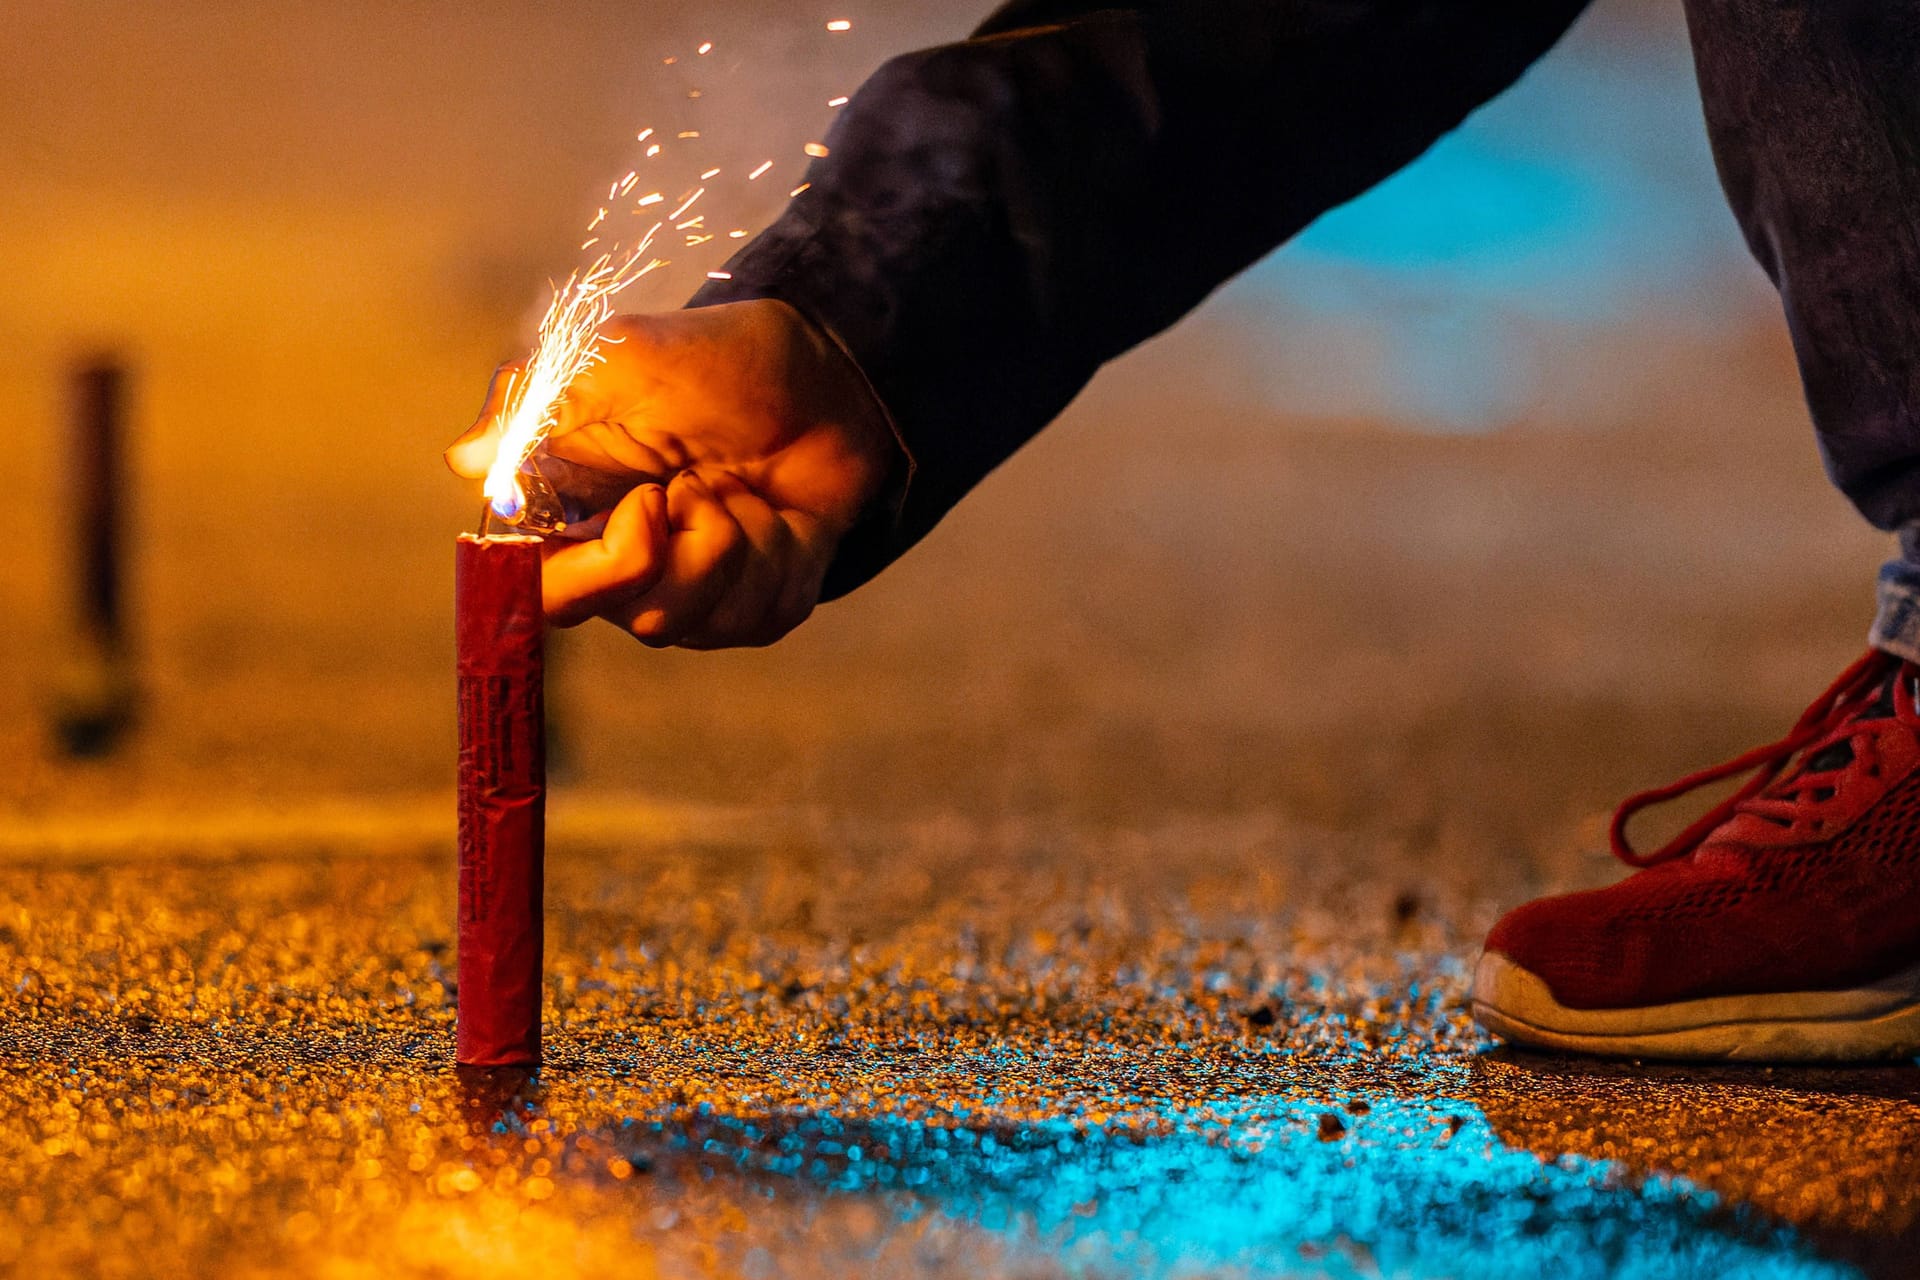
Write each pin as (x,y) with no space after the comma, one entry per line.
(568,345)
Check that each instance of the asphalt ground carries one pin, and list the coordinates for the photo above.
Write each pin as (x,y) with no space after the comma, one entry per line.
(932,1049)
(1105,875)
(1094,895)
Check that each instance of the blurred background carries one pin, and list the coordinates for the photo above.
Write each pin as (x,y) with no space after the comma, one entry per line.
(1489,498)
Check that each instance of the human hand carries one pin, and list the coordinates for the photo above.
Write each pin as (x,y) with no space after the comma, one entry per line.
(754,444)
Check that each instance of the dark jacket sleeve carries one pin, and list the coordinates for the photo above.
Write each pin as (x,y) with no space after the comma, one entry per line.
(997,218)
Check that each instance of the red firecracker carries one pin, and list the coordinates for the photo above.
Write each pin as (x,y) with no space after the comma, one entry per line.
(503,798)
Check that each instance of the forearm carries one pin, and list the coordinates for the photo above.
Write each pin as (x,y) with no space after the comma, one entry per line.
(999,217)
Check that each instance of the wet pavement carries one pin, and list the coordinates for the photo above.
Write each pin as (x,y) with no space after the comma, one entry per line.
(1094,894)
(877,1048)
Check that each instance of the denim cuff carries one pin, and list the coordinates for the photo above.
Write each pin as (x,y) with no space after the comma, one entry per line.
(1896,627)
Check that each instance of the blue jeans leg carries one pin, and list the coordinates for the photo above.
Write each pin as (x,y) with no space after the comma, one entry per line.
(1896,626)
(1814,111)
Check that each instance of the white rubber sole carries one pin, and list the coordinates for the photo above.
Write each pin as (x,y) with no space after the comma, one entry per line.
(1865,1024)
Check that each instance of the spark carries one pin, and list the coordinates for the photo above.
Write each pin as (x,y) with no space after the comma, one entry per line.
(797,190)
(687,204)
(570,340)
(839,24)
(568,345)
(839,102)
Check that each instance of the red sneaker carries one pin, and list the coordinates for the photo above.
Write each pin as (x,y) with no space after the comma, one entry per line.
(1782,926)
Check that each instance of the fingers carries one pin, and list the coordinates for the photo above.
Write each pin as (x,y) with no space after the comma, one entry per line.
(705,555)
(757,607)
(736,573)
(582,579)
(473,452)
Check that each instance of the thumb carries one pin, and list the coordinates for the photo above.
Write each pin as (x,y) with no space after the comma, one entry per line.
(474,451)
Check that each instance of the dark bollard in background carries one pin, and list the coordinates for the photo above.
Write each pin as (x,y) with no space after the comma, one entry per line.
(95,700)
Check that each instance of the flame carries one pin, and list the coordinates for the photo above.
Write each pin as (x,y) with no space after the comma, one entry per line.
(568,345)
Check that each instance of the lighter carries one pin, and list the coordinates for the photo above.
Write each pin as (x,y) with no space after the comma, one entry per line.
(555,498)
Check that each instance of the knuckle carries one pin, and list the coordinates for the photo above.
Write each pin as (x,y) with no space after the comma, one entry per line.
(628,566)
(731,548)
(780,539)
(637,572)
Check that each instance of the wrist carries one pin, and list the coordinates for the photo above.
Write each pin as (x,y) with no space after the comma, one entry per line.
(877,462)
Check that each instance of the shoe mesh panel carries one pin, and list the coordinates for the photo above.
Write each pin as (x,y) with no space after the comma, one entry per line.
(1826,914)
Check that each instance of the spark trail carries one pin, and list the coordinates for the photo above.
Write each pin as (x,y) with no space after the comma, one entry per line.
(569,342)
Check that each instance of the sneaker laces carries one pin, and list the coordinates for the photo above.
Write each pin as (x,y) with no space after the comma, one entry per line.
(1834,715)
